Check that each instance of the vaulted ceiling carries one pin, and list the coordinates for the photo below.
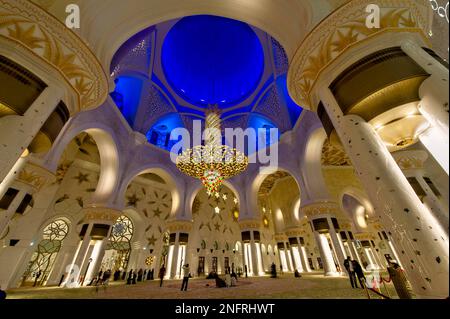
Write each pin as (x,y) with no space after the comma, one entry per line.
(167,75)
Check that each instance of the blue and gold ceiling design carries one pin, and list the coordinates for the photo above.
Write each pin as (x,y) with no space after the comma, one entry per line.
(167,74)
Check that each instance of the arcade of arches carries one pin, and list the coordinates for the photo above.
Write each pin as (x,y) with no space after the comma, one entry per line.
(86,115)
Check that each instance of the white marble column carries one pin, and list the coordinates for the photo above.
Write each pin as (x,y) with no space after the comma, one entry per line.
(329,267)
(81,253)
(337,245)
(434,94)
(5,216)
(412,165)
(175,266)
(12,174)
(422,242)
(435,87)
(297,261)
(17,132)
(98,257)
(61,262)
(288,257)
(351,245)
(254,251)
(303,257)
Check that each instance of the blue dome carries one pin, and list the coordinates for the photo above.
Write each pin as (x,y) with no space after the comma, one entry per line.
(209,60)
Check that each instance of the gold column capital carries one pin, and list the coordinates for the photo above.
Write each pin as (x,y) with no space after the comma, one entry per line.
(294,232)
(35,176)
(101,214)
(174,226)
(280,237)
(410,159)
(364,236)
(316,209)
(249,224)
(345,224)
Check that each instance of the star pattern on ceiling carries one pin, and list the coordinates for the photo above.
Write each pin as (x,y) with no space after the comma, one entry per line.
(157,212)
(82,178)
(132,200)
(152,240)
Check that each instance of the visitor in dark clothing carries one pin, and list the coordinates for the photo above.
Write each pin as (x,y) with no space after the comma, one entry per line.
(161,275)
(348,264)
(2,294)
(359,273)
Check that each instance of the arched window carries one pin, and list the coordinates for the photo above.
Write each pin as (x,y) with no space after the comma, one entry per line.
(122,231)
(119,245)
(43,259)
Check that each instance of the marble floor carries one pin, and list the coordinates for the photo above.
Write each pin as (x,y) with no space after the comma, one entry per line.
(314,286)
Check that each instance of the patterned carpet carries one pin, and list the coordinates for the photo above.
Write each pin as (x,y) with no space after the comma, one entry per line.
(309,286)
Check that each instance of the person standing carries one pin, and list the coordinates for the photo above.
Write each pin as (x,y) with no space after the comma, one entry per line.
(130,277)
(162,273)
(2,294)
(348,264)
(152,273)
(186,274)
(359,273)
(273,271)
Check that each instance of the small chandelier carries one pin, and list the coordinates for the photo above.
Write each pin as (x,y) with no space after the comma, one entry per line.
(213,162)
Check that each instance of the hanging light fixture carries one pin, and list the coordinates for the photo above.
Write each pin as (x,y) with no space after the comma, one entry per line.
(213,162)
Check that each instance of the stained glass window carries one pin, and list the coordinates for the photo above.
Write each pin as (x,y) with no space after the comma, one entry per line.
(43,259)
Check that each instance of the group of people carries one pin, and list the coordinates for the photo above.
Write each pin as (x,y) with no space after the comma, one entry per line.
(230,279)
(354,271)
(139,276)
(102,279)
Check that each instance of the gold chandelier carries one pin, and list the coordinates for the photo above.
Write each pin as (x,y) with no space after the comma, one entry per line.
(213,162)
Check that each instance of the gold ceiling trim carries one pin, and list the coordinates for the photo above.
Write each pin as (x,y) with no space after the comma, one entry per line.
(250,224)
(402,133)
(269,182)
(364,236)
(6,110)
(410,159)
(174,226)
(104,214)
(46,37)
(35,176)
(342,30)
(396,94)
(333,155)
(320,208)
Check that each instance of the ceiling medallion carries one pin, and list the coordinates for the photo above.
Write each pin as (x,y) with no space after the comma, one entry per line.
(213,162)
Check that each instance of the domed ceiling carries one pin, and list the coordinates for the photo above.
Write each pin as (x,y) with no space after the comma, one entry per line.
(167,75)
(212,60)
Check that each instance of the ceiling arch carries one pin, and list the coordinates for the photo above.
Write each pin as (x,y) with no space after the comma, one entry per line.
(106,25)
(150,73)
